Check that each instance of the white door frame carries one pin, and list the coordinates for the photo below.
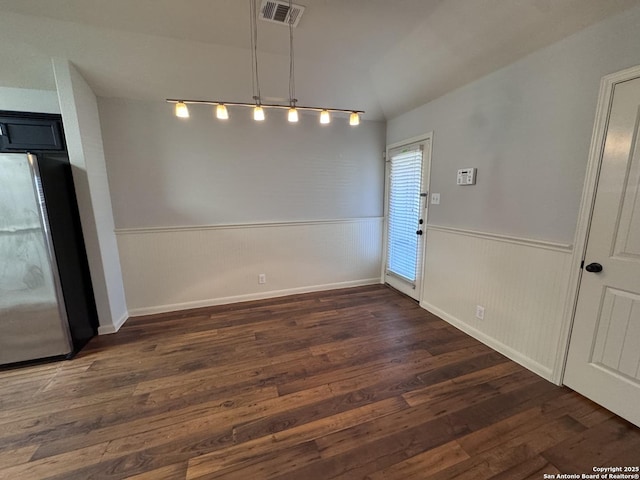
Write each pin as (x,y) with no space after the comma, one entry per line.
(598,136)
(426,170)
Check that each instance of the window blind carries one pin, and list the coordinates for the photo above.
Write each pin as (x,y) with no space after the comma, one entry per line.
(405,179)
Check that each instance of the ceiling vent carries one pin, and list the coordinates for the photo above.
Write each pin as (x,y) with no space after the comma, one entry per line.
(277,11)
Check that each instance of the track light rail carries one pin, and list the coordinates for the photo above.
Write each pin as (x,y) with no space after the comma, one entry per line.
(264,105)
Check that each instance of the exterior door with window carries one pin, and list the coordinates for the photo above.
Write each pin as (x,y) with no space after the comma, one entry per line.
(406,215)
(604,351)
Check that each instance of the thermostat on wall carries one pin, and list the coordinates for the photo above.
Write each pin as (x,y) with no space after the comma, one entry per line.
(466,176)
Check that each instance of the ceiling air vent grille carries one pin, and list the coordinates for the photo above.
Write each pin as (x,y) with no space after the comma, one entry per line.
(277,11)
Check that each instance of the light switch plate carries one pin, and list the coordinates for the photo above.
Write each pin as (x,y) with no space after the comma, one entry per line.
(435,199)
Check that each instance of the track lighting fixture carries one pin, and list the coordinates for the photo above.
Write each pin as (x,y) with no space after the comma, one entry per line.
(292,116)
(258,113)
(181,109)
(221,112)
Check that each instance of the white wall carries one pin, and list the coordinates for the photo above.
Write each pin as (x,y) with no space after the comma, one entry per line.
(203,206)
(79,110)
(29,100)
(168,269)
(527,128)
(203,171)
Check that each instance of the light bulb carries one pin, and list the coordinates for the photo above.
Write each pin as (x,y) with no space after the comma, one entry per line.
(325,117)
(221,112)
(258,113)
(181,110)
(293,115)
(354,119)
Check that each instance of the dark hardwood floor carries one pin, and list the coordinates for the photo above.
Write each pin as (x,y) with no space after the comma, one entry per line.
(351,384)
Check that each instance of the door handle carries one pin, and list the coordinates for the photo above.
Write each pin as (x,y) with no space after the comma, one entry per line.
(593,268)
(419,232)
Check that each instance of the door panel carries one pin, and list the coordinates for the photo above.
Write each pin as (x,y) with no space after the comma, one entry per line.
(618,323)
(604,354)
(627,242)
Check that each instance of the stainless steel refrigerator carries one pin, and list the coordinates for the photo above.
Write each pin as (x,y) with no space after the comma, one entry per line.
(45,293)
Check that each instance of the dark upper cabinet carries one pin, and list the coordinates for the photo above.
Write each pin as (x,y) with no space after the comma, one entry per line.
(38,132)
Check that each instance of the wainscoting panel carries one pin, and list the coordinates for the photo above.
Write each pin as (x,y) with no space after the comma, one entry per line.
(167,269)
(522,284)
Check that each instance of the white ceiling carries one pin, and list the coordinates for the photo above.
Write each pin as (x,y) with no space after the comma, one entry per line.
(382,56)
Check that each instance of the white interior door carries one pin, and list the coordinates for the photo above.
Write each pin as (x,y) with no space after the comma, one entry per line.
(406,215)
(604,351)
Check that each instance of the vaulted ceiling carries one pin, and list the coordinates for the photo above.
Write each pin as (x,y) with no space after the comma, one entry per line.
(382,56)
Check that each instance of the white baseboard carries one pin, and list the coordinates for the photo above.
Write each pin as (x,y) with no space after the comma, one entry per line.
(500,347)
(108,329)
(248,297)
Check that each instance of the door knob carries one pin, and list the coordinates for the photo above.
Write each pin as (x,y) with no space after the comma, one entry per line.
(593,268)
(419,232)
